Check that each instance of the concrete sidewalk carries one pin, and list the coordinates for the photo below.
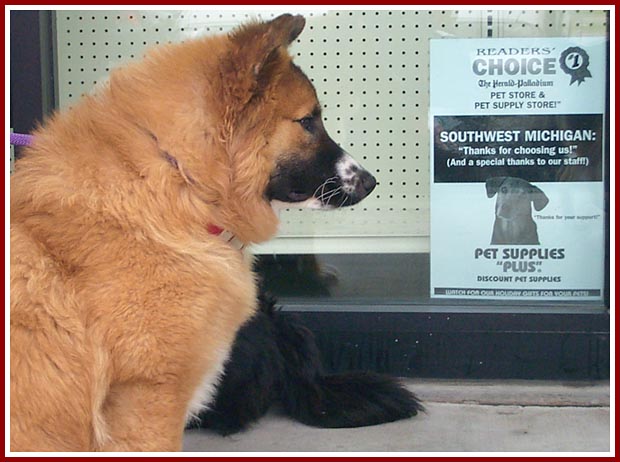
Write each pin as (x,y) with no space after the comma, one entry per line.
(462,416)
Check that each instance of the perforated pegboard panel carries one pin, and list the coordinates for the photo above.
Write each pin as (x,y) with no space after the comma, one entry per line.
(371,73)
(551,23)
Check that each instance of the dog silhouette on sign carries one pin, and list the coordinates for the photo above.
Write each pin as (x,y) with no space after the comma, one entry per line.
(513,209)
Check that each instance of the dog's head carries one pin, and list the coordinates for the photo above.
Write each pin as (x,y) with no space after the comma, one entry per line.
(514,196)
(242,125)
(279,143)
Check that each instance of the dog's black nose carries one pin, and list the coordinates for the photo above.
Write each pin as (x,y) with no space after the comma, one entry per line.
(368,182)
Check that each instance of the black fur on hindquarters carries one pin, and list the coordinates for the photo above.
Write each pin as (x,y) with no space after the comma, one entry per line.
(251,380)
(275,358)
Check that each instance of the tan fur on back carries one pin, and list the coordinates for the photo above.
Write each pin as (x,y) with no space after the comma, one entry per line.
(122,303)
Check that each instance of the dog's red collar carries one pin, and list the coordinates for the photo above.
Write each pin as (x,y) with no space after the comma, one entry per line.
(214,229)
(226,236)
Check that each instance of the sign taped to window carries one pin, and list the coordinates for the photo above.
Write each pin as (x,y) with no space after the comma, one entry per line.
(517,193)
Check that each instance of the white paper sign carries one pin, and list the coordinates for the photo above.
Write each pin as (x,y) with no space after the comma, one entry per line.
(517,193)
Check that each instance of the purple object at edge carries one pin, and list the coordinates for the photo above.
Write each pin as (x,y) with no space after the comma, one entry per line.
(20,139)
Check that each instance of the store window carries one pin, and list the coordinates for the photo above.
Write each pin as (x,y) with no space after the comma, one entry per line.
(488,133)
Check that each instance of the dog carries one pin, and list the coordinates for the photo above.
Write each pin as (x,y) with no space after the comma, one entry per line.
(130,214)
(275,359)
(513,212)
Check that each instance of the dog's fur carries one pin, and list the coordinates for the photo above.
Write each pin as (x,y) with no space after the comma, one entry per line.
(275,360)
(513,212)
(124,303)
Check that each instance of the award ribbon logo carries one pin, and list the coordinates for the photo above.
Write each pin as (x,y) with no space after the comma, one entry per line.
(574,61)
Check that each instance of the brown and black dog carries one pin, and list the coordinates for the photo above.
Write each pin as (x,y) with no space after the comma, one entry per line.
(513,210)
(125,298)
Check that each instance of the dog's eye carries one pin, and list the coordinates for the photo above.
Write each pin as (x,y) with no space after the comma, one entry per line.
(504,189)
(307,123)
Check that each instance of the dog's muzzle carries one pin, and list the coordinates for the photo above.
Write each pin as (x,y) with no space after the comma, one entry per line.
(357,182)
(351,184)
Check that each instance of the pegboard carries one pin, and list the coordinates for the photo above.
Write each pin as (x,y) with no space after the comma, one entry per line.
(371,71)
(551,23)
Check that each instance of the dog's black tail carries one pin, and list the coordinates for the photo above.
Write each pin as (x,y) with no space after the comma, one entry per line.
(351,399)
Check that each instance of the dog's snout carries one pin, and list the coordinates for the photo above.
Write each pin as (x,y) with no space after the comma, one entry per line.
(367,181)
(362,184)
(357,182)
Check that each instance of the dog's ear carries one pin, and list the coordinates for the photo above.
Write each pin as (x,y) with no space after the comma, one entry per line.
(286,28)
(538,198)
(255,43)
(493,184)
(254,46)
